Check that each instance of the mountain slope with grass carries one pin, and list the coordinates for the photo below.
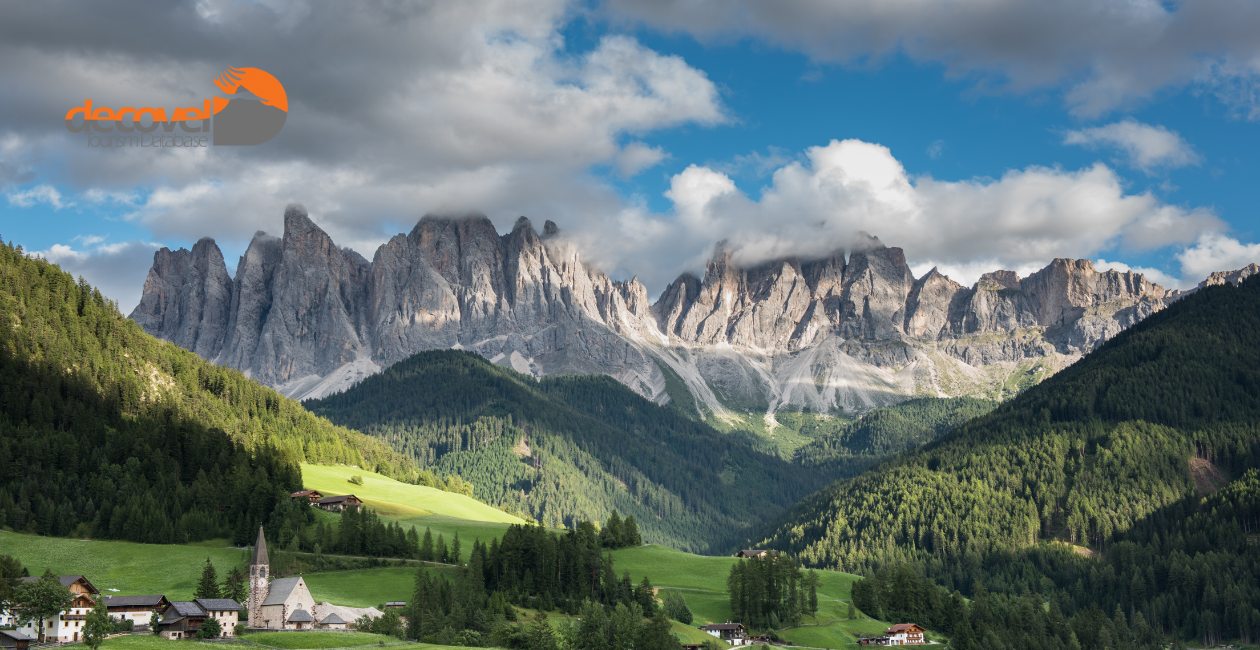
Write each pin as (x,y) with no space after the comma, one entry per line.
(1102,459)
(572,448)
(108,432)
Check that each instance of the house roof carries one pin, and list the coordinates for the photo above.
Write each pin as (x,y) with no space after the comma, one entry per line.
(303,493)
(280,590)
(260,550)
(300,616)
(16,636)
(187,608)
(332,619)
(219,604)
(66,581)
(396,603)
(901,627)
(337,499)
(134,601)
(723,626)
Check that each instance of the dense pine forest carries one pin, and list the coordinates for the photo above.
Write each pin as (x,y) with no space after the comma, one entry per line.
(110,433)
(889,430)
(569,449)
(536,568)
(1094,490)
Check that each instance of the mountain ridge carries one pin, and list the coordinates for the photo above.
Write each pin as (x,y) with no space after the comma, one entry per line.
(830,335)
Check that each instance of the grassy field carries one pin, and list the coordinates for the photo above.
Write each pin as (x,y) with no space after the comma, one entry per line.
(365,587)
(399,500)
(444,513)
(147,642)
(702,582)
(130,568)
(316,640)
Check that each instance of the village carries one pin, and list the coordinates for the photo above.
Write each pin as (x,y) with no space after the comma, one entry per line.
(287,604)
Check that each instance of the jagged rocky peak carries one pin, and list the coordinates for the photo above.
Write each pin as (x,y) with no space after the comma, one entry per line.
(187,297)
(1230,277)
(998,280)
(310,318)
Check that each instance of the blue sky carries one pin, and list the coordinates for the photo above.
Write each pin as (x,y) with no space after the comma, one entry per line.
(976,136)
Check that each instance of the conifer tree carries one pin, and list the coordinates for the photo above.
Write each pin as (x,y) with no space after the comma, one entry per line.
(439,550)
(426,546)
(208,585)
(455,550)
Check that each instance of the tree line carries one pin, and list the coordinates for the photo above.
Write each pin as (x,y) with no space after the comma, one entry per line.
(107,432)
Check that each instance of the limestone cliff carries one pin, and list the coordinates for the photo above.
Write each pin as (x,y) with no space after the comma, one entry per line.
(838,333)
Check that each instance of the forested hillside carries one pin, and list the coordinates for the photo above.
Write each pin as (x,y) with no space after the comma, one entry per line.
(108,432)
(568,449)
(890,430)
(1113,453)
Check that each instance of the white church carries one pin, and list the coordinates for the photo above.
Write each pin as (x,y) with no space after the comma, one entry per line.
(287,604)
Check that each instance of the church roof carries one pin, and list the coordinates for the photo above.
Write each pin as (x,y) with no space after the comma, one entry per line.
(332,619)
(260,550)
(280,589)
(300,616)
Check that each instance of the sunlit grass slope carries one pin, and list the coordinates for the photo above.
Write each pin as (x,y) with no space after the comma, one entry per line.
(399,500)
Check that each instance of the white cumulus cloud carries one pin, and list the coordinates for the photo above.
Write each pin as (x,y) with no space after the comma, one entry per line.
(1020,221)
(1216,252)
(1146,147)
(38,194)
(112,268)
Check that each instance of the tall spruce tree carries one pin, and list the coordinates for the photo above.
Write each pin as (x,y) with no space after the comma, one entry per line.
(208,585)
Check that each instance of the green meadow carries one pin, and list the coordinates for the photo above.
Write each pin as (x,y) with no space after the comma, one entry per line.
(702,582)
(291,641)
(316,640)
(174,569)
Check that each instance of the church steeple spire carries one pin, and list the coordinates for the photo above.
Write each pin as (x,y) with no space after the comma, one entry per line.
(260,550)
(259,581)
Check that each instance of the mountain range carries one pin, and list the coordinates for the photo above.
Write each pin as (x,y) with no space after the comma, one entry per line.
(833,335)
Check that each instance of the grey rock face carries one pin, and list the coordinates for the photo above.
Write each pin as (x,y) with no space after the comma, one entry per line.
(829,334)
(187,298)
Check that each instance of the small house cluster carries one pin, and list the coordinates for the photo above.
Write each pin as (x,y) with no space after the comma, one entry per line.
(281,604)
(331,504)
(899,634)
(179,619)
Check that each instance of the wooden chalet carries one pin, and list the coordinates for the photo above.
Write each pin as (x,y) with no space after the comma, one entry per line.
(308,496)
(732,633)
(137,609)
(339,503)
(754,553)
(14,639)
(181,620)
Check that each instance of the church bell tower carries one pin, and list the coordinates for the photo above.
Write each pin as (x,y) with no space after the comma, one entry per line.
(258,581)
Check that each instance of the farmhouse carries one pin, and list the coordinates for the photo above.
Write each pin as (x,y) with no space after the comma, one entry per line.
(904,634)
(137,609)
(68,626)
(732,633)
(181,620)
(337,504)
(750,554)
(310,496)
